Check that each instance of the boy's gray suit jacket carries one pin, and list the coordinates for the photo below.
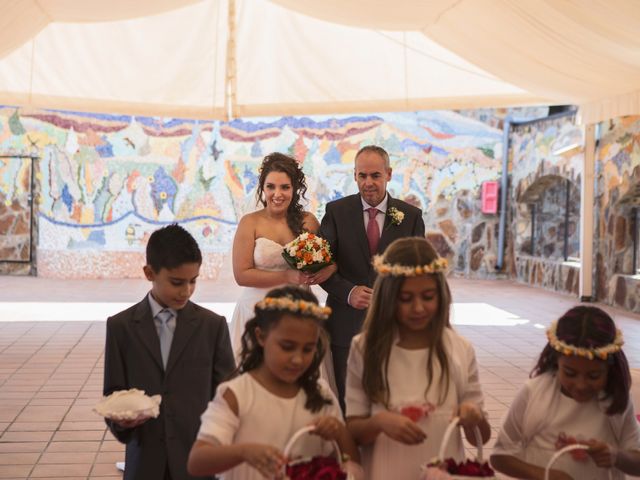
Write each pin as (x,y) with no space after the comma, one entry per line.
(200,358)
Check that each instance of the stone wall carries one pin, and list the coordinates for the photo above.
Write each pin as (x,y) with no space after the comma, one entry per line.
(539,177)
(623,291)
(461,232)
(543,207)
(542,167)
(16,224)
(617,194)
(550,274)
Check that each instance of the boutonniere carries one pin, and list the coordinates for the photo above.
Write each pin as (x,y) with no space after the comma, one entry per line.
(395,215)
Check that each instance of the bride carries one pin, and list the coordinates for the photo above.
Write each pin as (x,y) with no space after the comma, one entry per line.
(257,259)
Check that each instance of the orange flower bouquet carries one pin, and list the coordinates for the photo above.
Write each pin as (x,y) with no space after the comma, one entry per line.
(308,252)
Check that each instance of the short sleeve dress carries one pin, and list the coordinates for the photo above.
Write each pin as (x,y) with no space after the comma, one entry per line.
(407,379)
(263,418)
(541,415)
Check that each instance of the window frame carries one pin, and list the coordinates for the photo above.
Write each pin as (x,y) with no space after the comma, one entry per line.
(635,234)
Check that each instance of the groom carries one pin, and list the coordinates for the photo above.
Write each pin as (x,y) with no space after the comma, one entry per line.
(358,227)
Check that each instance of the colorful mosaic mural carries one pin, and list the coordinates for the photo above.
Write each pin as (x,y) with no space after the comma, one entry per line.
(107,181)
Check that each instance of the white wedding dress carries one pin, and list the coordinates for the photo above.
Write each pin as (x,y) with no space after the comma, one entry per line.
(267,255)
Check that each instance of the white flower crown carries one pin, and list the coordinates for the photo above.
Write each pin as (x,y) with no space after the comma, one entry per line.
(294,306)
(599,352)
(396,270)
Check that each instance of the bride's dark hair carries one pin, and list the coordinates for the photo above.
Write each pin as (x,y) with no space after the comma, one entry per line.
(279,162)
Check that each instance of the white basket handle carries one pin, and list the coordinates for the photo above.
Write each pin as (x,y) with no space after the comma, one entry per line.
(303,431)
(447,435)
(562,451)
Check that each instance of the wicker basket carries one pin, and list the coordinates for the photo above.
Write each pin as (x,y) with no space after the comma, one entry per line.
(437,473)
(352,470)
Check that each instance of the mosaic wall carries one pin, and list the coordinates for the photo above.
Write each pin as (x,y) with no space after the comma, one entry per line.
(617,194)
(546,164)
(108,181)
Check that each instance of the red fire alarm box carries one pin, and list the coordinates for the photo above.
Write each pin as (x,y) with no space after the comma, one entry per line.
(490,197)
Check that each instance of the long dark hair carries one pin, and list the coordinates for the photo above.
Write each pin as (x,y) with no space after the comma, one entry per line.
(380,323)
(279,162)
(590,327)
(252,353)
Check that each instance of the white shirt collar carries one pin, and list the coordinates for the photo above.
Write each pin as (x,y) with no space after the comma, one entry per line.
(156,308)
(382,206)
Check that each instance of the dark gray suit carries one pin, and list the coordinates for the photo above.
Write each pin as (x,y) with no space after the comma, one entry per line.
(200,358)
(343,227)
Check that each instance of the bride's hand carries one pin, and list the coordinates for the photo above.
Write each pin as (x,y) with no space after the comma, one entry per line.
(296,277)
(323,275)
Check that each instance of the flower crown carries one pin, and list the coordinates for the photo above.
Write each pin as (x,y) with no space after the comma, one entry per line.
(294,306)
(396,270)
(590,353)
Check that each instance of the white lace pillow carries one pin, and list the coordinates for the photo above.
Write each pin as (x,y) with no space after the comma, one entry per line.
(128,405)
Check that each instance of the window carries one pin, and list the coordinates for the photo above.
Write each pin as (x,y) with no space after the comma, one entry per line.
(533,228)
(635,232)
(566,248)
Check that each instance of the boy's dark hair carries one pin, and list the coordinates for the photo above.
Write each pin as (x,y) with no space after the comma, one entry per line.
(252,353)
(172,246)
(591,327)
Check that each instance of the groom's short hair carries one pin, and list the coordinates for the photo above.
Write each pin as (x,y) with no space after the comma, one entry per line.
(376,149)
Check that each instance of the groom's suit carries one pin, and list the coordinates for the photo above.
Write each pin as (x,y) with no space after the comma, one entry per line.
(343,227)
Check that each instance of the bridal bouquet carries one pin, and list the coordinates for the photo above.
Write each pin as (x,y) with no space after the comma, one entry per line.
(307,252)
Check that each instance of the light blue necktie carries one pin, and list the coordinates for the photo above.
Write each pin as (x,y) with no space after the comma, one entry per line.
(165,334)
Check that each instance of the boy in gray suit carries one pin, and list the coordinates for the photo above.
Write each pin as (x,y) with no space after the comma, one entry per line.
(170,346)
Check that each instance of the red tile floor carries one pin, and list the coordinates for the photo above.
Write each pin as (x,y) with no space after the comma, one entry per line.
(52,338)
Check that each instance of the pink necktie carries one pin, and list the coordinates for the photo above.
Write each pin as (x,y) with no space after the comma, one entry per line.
(373,230)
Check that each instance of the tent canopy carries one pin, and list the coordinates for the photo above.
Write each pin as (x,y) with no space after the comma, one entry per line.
(224,58)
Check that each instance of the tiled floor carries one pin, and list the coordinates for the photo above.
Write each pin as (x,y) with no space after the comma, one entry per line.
(51,370)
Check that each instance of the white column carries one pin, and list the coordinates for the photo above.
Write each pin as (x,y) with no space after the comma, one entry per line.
(587,199)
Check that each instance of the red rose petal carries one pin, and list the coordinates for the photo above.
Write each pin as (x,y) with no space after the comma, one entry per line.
(469,468)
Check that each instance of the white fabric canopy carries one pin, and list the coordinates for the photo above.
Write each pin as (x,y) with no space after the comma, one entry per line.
(213,58)
(289,63)
(278,62)
(170,64)
(23,19)
(585,52)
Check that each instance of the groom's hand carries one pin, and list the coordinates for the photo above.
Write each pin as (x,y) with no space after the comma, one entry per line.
(323,275)
(360,297)
(296,277)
